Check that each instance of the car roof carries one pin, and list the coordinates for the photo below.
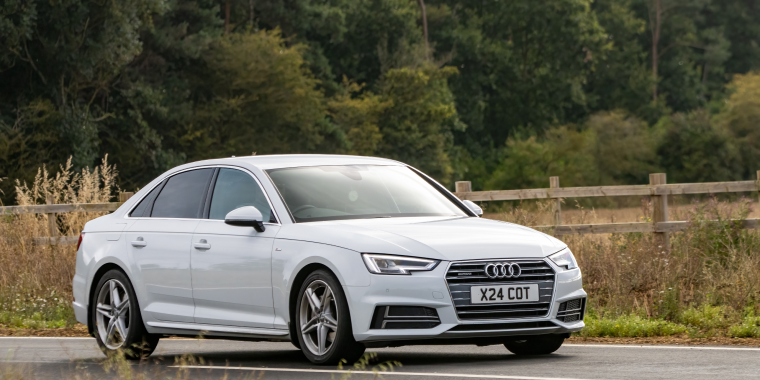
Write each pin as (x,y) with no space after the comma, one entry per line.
(277,161)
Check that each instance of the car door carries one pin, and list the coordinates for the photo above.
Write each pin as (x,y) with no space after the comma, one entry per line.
(159,242)
(231,265)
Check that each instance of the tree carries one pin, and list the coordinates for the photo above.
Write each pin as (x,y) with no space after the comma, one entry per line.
(257,96)
(741,117)
(694,149)
(57,64)
(521,65)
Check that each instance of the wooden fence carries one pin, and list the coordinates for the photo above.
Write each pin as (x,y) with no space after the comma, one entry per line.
(52,211)
(658,189)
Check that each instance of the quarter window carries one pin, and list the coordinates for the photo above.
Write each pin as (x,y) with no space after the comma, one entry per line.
(183,195)
(143,209)
(235,189)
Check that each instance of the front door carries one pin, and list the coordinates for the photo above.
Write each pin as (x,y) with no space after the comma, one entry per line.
(231,265)
(160,241)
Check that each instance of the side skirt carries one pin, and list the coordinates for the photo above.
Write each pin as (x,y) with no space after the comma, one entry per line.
(212,331)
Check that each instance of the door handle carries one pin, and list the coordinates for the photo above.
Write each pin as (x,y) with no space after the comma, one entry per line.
(140,242)
(202,245)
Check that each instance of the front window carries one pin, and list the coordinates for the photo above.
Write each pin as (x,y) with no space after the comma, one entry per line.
(358,192)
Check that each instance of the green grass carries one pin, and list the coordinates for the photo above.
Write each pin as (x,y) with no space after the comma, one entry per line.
(630,326)
(749,328)
(19,310)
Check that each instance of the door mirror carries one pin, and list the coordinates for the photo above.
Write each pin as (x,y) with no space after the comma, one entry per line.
(473,207)
(246,216)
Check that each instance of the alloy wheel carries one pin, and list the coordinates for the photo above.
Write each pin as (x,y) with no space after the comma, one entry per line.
(318,317)
(112,319)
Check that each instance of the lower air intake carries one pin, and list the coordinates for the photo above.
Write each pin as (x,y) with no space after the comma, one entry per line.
(404,317)
(571,311)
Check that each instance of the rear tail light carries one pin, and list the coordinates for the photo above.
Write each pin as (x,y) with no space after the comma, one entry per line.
(79,243)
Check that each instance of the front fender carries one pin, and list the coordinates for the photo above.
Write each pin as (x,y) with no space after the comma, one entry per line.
(289,257)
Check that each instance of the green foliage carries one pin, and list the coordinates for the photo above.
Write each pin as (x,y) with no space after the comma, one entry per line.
(694,149)
(707,317)
(22,310)
(541,88)
(417,125)
(629,326)
(610,148)
(256,96)
(749,328)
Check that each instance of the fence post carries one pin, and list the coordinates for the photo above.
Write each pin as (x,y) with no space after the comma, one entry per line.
(463,186)
(124,196)
(660,210)
(557,205)
(52,218)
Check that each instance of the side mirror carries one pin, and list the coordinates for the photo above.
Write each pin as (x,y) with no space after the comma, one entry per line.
(473,207)
(246,216)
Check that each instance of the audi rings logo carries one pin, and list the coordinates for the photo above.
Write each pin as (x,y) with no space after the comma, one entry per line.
(503,270)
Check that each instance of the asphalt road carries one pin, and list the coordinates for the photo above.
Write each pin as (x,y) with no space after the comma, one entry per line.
(79,358)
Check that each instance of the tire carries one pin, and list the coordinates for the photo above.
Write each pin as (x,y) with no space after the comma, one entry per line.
(536,345)
(330,324)
(135,343)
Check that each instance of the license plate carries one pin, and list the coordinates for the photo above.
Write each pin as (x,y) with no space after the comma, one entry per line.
(504,293)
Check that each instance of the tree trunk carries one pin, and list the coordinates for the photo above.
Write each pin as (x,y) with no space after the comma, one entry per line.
(425,28)
(655,43)
(250,13)
(227,17)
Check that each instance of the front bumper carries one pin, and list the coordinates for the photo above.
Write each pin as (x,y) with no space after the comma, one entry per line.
(429,289)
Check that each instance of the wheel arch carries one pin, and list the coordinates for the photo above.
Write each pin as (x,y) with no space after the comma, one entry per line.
(298,281)
(102,270)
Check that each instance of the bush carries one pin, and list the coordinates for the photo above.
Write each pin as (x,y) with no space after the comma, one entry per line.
(630,326)
(749,328)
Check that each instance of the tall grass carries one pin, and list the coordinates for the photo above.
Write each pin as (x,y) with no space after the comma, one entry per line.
(35,280)
(708,283)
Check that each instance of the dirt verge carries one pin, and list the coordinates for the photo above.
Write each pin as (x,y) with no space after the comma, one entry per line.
(670,340)
(81,331)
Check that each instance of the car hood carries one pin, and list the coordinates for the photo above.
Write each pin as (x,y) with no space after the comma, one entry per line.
(436,238)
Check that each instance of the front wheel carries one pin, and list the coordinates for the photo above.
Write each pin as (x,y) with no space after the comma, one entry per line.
(118,324)
(323,322)
(536,345)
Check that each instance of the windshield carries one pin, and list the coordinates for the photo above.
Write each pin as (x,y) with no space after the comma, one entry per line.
(357,192)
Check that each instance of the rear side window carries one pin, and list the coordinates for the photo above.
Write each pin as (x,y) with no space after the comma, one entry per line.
(234,189)
(183,195)
(143,209)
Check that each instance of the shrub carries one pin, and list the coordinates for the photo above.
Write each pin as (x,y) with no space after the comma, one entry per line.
(630,326)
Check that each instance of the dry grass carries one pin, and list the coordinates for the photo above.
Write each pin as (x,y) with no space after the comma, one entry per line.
(35,280)
(708,284)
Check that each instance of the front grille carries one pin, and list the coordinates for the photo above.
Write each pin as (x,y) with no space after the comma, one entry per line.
(464,274)
(572,310)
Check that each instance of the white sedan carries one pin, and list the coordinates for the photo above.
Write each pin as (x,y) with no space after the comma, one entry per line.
(332,253)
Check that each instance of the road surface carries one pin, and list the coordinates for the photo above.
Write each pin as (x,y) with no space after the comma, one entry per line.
(80,358)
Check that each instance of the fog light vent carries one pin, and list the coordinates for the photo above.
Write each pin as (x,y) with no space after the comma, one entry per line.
(571,311)
(404,317)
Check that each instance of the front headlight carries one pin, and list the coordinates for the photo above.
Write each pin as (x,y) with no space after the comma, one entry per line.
(387,264)
(564,258)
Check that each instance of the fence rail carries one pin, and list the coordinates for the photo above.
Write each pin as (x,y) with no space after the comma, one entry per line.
(657,189)
(52,211)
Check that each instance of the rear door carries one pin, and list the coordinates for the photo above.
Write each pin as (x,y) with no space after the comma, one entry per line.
(231,265)
(159,243)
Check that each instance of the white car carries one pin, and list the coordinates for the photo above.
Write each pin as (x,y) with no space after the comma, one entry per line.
(332,253)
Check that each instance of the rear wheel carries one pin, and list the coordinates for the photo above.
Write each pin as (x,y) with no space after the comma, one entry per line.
(323,322)
(536,345)
(116,314)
